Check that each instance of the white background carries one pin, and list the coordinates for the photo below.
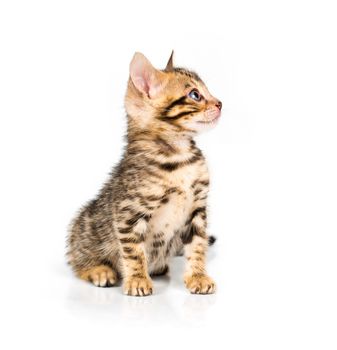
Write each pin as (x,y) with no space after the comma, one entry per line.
(273,201)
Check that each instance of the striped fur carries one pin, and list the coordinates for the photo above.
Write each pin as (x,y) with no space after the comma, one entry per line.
(154,204)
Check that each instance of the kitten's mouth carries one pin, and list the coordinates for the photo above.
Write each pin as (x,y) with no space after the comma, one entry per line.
(215,119)
(211,116)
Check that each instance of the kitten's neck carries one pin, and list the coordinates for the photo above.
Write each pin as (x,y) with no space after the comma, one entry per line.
(174,143)
(161,142)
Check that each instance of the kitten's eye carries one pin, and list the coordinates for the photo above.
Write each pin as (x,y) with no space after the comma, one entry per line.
(195,95)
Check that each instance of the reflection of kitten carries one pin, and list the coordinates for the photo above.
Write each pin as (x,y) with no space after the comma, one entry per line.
(155,200)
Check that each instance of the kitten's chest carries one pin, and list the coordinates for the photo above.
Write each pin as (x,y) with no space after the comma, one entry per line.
(172,215)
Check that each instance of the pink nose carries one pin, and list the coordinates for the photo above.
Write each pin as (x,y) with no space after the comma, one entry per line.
(219,105)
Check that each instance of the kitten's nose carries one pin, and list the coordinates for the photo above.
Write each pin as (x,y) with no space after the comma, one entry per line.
(219,105)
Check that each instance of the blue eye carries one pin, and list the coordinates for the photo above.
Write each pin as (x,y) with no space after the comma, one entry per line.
(194,95)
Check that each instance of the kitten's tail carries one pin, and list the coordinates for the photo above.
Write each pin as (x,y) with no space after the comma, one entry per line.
(211,240)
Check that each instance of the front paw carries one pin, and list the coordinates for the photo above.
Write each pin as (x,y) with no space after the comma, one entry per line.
(138,286)
(199,284)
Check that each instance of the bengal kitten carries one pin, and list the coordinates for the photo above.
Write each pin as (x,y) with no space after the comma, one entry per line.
(155,200)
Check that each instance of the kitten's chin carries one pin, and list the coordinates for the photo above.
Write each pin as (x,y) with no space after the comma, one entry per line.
(209,121)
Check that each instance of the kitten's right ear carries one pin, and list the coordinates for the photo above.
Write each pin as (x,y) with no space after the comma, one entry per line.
(144,76)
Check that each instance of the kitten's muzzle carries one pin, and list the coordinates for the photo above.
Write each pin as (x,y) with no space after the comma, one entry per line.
(211,115)
(218,105)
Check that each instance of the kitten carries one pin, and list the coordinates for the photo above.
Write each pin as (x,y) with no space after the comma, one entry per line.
(155,200)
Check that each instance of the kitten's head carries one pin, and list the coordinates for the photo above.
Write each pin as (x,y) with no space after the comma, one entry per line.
(169,100)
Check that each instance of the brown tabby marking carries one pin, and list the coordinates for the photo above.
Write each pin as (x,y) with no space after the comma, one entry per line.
(154,204)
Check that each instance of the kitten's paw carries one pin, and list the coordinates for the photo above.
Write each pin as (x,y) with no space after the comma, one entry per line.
(199,284)
(138,286)
(100,276)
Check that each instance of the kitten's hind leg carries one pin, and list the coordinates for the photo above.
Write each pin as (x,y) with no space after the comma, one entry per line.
(100,276)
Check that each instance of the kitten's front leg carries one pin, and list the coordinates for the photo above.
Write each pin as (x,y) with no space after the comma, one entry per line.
(196,243)
(137,281)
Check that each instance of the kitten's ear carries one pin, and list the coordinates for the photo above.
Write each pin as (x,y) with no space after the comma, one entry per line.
(144,76)
(169,66)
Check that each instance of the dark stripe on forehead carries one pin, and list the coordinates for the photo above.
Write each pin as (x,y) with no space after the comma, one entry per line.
(188,73)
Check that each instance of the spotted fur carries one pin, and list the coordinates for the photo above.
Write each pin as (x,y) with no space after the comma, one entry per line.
(154,204)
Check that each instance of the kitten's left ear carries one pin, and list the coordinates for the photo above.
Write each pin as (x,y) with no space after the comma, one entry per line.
(169,66)
(145,77)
